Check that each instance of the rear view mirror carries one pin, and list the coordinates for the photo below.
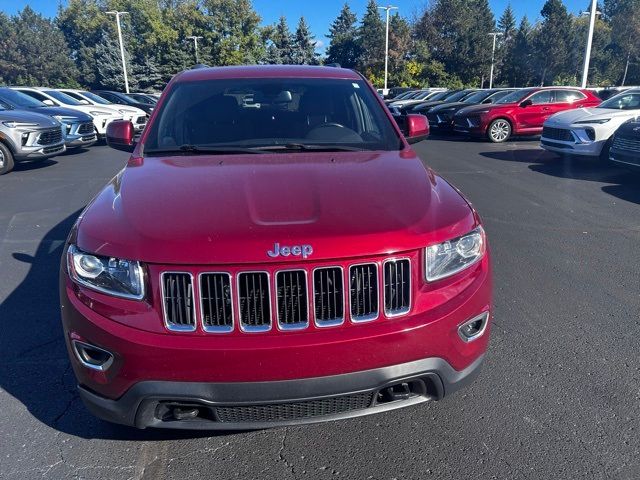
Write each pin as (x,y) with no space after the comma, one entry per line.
(526,103)
(120,135)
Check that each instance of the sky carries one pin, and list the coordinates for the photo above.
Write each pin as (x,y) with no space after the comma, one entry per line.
(320,14)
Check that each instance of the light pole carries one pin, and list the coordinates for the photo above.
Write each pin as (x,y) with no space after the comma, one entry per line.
(587,54)
(388,8)
(195,44)
(493,55)
(124,63)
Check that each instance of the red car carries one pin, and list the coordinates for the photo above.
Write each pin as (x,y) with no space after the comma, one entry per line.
(521,113)
(280,261)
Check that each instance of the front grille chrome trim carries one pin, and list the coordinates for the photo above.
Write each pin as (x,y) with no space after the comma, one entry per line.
(254,328)
(169,325)
(407,309)
(372,316)
(212,328)
(338,320)
(298,325)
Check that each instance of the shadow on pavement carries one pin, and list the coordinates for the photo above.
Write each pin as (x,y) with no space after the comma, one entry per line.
(625,183)
(33,165)
(34,366)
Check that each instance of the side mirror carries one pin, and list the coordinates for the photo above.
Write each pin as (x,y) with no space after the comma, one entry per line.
(417,128)
(48,102)
(526,103)
(120,135)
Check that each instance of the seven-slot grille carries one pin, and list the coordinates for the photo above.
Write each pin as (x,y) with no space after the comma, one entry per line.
(628,144)
(50,137)
(216,302)
(178,301)
(255,301)
(328,296)
(291,293)
(363,280)
(85,128)
(557,134)
(397,287)
(219,294)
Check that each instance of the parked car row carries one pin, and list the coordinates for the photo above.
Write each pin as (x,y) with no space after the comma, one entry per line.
(30,115)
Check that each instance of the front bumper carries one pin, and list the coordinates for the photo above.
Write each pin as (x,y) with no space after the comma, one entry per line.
(39,152)
(81,141)
(591,149)
(625,159)
(224,406)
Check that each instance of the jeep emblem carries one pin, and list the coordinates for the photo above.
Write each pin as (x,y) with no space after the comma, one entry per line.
(296,251)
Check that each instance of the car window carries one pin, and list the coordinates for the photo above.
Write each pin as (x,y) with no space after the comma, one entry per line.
(36,95)
(623,101)
(568,96)
(282,111)
(108,96)
(95,98)
(19,99)
(515,97)
(63,97)
(545,96)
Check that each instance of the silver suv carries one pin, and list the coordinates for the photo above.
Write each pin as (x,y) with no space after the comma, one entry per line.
(26,136)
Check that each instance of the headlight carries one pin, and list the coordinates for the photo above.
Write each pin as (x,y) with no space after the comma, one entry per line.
(98,114)
(113,276)
(19,124)
(450,257)
(595,121)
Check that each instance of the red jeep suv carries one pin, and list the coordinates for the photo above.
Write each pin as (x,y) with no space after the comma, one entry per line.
(274,252)
(520,113)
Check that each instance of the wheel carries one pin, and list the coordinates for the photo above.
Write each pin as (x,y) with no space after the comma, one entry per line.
(6,159)
(499,130)
(604,153)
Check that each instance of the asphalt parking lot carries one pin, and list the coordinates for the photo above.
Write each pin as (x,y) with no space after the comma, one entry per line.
(559,396)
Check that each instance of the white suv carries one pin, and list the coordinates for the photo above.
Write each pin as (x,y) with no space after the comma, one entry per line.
(101,116)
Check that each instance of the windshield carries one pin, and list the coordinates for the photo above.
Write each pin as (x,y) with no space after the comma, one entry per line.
(501,94)
(141,99)
(19,99)
(455,96)
(477,97)
(515,97)
(440,96)
(62,97)
(623,101)
(95,98)
(282,113)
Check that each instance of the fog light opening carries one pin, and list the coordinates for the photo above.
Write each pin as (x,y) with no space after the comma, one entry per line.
(474,328)
(92,357)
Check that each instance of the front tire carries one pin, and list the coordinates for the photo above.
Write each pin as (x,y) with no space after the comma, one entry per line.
(6,159)
(499,131)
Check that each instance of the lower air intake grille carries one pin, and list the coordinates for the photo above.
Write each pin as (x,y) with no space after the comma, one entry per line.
(628,144)
(328,294)
(291,291)
(293,411)
(255,307)
(397,287)
(363,281)
(557,134)
(216,301)
(49,137)
(177,295)
(85,128)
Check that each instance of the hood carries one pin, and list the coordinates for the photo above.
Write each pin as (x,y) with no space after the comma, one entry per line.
(28,116)
(232,209)
(444,106)
(129,109)
(425,105)
(471,109)
(569,117)
(63,112)
(93,108)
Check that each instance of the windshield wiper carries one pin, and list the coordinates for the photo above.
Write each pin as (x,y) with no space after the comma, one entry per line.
(311,147)
(202,150)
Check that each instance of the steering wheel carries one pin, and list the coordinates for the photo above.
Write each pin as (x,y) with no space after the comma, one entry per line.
(331,124)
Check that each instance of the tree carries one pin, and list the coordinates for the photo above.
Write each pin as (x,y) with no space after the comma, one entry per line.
(371,34)
(343,47)
(42,51)
(507,22)
(624,16)
(399,49)
(552,42)
(109,74)
(280,50)
(516,67)
(504,53)
(304,47)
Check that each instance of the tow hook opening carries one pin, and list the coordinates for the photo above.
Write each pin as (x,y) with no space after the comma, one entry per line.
(180,412)
(402,391)
(474,328)
(92,357)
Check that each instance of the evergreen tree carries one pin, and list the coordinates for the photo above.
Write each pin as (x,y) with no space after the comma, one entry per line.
(504,52)
(553,42)
(517,69)
(371,34)
(281,50)
(399,49)
(343,47)
(109,74)
(507,22)
(304,47)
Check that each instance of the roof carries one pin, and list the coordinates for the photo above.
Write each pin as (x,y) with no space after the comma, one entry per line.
(268,71)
